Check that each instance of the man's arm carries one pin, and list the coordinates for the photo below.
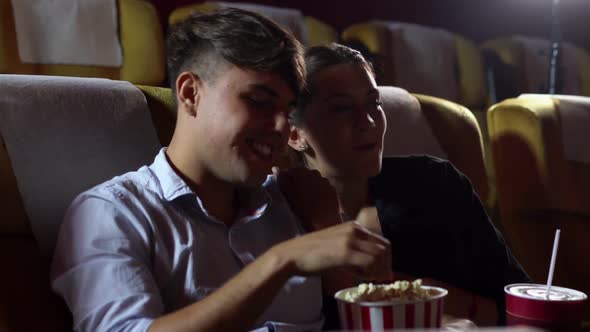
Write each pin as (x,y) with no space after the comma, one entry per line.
(103,270)
(246,296)
(236,305)
(313,200)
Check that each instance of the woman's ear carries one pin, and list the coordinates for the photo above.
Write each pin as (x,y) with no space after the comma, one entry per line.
(188,86)
(297,140)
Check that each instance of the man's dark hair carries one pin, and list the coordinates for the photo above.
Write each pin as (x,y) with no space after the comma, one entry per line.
(204,41)
(320,57)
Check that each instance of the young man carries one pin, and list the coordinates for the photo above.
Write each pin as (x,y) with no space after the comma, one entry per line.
(198,240)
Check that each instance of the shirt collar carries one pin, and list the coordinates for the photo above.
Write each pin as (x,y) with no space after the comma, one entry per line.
(253,202)
(172,185)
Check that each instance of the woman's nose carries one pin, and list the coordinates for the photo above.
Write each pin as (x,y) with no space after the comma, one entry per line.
(366,121)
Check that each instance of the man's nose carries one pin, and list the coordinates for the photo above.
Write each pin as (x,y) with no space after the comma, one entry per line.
(281,121)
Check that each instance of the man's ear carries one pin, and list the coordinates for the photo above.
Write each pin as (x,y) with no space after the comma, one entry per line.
(188,88)
(297,139)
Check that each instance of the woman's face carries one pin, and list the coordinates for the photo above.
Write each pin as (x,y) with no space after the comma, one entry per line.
(343,123)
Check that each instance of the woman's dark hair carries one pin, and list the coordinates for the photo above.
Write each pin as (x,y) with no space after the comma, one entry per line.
(205,41)
(321,57)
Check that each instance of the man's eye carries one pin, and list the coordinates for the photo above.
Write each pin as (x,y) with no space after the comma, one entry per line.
(258,101)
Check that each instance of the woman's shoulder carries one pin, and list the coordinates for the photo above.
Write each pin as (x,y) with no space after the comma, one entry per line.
(420,166)
(418,174)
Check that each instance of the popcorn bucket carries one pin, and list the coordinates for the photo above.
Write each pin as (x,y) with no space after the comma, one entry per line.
(395,314)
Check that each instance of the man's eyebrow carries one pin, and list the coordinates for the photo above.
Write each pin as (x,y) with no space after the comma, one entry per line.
(265,88)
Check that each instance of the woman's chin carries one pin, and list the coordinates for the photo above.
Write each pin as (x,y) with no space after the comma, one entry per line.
(369,170)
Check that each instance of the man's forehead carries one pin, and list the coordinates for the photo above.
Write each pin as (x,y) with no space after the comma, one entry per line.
(263,81)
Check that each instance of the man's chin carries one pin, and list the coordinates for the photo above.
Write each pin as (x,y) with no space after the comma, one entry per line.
(253,177)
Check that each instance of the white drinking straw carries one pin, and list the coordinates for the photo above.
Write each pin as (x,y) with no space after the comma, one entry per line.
(552,265)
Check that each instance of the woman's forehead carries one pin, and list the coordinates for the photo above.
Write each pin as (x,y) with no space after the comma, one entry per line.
(343,79)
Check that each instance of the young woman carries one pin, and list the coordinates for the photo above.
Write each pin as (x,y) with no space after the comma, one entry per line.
(428,210)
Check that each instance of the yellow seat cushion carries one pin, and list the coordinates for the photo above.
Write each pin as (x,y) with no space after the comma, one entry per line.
(162,110)
(141,41)
(459,135)
(181,13)
(319,33)
(472,80)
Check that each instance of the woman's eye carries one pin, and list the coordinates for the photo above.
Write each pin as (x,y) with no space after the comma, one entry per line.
(378,103)
(342,109)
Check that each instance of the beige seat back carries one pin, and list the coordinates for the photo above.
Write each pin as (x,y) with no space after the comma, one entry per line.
(60,136)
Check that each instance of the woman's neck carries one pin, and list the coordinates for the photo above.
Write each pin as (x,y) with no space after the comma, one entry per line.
(353,194)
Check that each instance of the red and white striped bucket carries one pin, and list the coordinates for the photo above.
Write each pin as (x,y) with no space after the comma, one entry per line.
(379,316)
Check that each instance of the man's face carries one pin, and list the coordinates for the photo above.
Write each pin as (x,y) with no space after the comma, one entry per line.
(242,124)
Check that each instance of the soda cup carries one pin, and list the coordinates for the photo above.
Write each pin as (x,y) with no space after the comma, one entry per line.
(529,304)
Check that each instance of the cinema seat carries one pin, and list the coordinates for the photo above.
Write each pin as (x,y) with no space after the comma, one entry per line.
(27,303)
(542,159)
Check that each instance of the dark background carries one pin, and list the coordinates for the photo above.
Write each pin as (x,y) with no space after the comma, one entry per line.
(478,20)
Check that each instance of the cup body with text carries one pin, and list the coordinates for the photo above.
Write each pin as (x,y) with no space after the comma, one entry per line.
(389,315)
(528,304)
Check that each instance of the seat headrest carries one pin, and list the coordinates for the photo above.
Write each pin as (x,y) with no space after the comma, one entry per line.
(536,59)
(408,131)
(574,116)
(64,135)
(415,68)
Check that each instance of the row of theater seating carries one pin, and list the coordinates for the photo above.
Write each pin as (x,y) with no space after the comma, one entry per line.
(462,72)
(515,152)
(50,153)
(403,54)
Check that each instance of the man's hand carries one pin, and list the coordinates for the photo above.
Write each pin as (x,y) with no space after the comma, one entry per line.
(348,245)
(369,218)
(311,197)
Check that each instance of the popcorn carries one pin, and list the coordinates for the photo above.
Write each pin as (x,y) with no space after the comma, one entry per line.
(401,290)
